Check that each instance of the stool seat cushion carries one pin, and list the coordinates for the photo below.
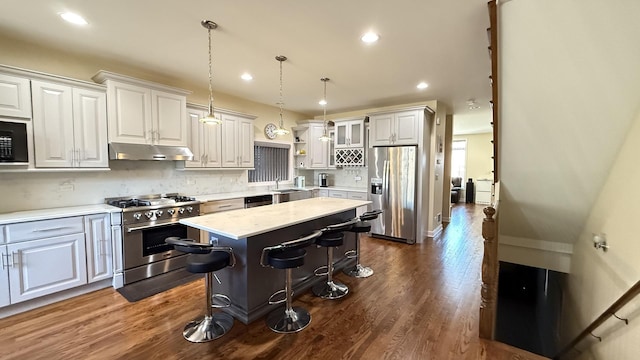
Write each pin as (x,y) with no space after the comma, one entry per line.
(328,240)
(286,259)
(205,263)
(361,227)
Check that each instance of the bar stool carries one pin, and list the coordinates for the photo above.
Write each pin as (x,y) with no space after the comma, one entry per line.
(205,258)
(332,236)
(358,228)
(287,255)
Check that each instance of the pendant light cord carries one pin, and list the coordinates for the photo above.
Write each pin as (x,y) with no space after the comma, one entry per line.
(281,101)
(210,78)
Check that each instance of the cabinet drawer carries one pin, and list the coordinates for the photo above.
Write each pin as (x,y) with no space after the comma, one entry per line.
(221,205)
(357,195)
(338,194)
(323,193)
(44,229)
(2,235)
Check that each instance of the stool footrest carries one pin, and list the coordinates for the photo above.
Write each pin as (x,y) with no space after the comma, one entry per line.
(351,254)
(283,293)
(323,268)
(219,301)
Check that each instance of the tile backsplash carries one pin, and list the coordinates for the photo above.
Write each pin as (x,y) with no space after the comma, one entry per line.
(40,190)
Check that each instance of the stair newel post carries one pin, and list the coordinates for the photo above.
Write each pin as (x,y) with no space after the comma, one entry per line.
(489,291)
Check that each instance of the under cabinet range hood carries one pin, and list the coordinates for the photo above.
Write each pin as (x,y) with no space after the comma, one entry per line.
(122,151)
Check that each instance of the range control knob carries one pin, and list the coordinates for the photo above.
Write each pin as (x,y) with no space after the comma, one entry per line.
(171,212)
(159,213)
(181,210)
(189,208)
(137,216)
(149,214)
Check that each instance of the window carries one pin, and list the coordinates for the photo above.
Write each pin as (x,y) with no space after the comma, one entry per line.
(459,158)
(271,162)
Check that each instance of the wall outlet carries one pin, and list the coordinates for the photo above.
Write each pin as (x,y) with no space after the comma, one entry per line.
(65,187)
(191,181)
(358,178)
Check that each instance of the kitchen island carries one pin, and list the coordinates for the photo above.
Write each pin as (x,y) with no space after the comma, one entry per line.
(248,231)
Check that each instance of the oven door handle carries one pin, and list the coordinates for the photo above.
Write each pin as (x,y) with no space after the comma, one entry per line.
(132,229)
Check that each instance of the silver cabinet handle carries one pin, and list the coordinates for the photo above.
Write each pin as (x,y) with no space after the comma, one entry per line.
(51,229)
(4,265)
(132,229)
(224,206)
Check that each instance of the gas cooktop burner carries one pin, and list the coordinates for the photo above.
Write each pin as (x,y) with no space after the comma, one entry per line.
(149,200)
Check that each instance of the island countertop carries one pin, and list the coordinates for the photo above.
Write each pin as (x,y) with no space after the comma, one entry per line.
(242,223)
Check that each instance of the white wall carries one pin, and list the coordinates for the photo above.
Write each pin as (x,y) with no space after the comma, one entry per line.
(597,279)
(570,88)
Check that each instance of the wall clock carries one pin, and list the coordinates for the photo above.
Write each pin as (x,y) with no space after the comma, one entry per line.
(270,131)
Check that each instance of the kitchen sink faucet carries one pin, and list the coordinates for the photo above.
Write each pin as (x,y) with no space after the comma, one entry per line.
(277,182)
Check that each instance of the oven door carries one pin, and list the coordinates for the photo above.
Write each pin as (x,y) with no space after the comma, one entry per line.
(146,245)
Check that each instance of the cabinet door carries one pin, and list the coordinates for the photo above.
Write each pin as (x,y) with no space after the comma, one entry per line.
(230,156)
(43,267)
(406,127)
(169,114)
(356,134)
(318,149)
(195,138)
(129,110)
(331,154)
(99,248)
(342,135)
(15,96)
(245,143)
(90,128)
(118,256)
(53,125)
(381,129)
(4,277)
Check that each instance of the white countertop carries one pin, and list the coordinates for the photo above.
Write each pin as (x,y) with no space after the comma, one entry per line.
(242,223)
(243,194)
(43,214)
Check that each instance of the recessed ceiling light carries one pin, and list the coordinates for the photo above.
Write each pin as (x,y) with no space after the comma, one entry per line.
(322,102)
(73,18)
(246,77)
(422,85)
(370,37)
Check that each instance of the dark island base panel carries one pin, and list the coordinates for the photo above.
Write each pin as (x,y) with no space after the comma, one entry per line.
(250,285)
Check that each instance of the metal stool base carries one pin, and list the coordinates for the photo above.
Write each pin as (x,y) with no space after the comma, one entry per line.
(292,321)
(359,271)
(330,290)
(208,328)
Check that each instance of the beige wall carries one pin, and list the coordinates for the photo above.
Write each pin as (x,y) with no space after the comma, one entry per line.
(479,152)
(598,278)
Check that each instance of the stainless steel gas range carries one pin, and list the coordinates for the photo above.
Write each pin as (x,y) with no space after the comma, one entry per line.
(146,222)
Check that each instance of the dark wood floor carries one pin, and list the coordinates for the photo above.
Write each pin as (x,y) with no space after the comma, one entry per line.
(421,303)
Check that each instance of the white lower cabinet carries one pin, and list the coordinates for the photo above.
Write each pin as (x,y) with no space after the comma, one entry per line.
(99,251)
(47,256)
(4,277)
(43,267)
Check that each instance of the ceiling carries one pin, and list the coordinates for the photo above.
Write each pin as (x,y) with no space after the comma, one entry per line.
(443,43)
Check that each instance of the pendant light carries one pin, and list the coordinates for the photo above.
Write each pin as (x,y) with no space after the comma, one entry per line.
(281,130)
(325,134)
(210,117)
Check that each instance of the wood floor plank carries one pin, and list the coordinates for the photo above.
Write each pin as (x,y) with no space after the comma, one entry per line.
(421,303)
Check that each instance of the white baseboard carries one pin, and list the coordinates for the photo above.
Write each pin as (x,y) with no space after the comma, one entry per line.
(537,253)
(50,299)
(435,232)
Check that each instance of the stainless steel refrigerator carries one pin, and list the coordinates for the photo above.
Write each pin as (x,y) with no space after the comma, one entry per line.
(392,189)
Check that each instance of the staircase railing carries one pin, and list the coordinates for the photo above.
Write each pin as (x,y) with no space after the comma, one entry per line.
(490,267)
(611,311)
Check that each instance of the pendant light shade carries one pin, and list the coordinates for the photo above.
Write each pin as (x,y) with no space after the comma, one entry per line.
(281,130)
(325,134)
(210,117)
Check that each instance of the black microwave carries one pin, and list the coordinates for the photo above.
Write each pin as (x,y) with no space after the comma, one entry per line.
(13,142)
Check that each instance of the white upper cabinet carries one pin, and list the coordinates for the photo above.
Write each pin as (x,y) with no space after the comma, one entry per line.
(70,126)
(204,140)
(318,149)
(237,141)
(15,96)
(143,112)
(349,133)
(396,128)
